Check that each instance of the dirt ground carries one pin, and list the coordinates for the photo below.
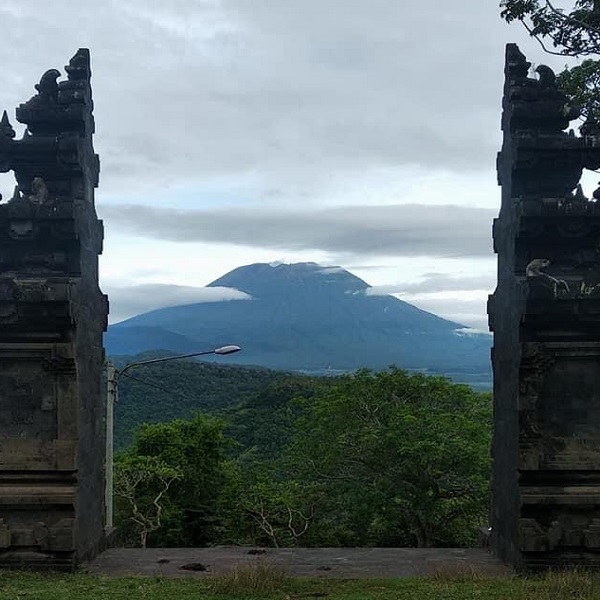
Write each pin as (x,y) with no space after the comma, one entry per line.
(347,563)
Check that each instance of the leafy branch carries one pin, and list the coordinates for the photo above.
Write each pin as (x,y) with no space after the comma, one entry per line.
(574,33)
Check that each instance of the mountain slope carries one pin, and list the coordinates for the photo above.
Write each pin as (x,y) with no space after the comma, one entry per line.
(307,317)
(175,390)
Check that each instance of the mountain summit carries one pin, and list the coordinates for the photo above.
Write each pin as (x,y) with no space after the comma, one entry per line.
(277,279)
(308,317)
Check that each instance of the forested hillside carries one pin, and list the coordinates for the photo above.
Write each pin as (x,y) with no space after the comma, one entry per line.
(370,459)
(176,389)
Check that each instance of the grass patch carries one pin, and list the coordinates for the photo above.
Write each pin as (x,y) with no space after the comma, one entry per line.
(268,582)
(572,584)
(457,572)
(261,578)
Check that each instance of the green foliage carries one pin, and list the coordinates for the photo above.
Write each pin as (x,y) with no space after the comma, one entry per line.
(279,511)
(195,449)
(385,459)
(574,32)
(177,389)
(264,423)
(375,459)
(396,459)
(582,84)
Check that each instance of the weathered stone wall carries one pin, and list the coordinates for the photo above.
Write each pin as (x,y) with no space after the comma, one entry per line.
(545,315)
(52,316)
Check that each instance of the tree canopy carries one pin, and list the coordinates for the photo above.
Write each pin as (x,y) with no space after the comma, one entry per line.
(369,459)
(189,454)
(405,456)
(570,31)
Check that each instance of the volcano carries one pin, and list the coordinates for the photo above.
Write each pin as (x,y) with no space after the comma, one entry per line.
(306,317)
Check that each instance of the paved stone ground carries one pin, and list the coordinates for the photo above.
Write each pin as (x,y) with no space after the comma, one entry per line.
(347,563)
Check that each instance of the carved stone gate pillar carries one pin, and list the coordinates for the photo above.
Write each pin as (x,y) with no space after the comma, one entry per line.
(545,315)
(52,316)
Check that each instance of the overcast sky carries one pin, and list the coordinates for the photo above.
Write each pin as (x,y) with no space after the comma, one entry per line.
(359,133)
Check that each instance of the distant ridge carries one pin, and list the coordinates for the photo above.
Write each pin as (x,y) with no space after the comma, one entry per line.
(307,317)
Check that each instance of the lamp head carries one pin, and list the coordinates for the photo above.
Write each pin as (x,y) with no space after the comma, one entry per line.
(227,350)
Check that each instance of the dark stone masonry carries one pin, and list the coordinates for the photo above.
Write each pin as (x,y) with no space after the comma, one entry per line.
(52,317)
(545,315)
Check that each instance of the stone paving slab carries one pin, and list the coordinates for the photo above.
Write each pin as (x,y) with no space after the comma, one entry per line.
(346,563)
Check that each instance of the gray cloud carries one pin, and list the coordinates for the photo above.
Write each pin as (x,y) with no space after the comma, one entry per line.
(128,301)
(471,313)
(425,294)
(294,91)
(408,230)
(331,269)
(437,282)
(290,96)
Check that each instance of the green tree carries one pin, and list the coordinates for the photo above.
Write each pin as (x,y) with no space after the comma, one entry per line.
(399,459)
(278,510)
(264,424)
(176,389)
(195,449)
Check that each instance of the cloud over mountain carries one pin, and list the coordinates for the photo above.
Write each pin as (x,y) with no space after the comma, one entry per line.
(126,302)
(436,282)
(407,230)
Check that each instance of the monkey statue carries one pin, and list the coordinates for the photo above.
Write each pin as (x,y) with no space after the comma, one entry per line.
(39,191)
(534,271)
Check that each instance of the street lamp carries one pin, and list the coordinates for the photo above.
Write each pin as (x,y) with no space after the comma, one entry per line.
(113,375)
(222,350)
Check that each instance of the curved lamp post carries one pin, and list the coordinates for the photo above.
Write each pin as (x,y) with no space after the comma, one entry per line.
(113,376)
(221,351)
